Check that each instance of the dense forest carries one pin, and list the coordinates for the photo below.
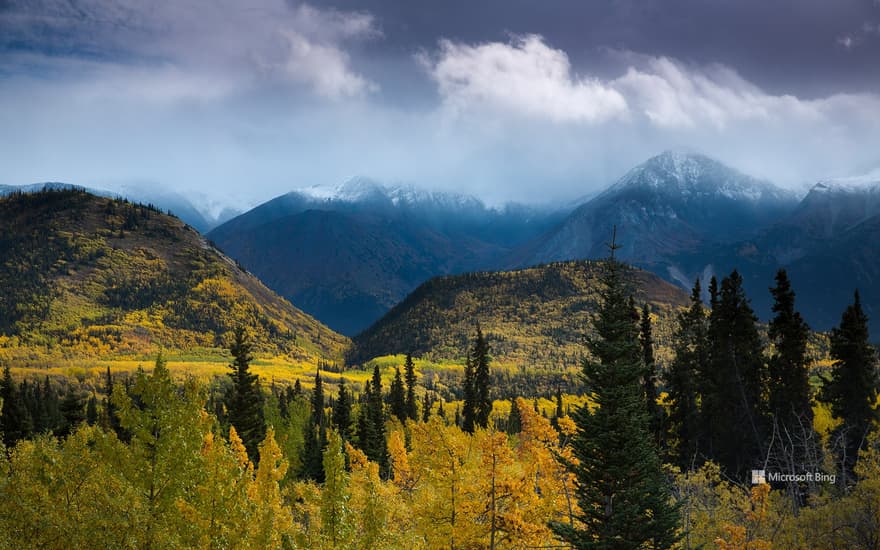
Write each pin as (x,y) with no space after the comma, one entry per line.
(740,441)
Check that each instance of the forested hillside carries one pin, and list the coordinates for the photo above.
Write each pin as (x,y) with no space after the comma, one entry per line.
(87,276)
(534,318)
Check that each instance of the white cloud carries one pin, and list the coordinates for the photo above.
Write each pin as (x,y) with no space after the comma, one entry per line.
(524,76)
(528,77)
(230,44)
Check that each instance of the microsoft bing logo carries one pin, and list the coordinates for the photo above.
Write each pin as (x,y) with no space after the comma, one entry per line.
(758,477)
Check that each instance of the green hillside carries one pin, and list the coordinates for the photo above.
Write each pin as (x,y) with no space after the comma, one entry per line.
(535,317)
(85,276)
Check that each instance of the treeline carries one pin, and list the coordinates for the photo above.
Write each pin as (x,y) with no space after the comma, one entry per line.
(748,405)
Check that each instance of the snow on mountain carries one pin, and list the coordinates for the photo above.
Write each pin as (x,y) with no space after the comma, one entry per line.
(854,184)
(690,175)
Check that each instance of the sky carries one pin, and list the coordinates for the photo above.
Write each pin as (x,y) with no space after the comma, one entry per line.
(235,102)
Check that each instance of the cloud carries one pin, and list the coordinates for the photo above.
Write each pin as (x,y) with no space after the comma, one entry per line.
(524,76)
(222,41)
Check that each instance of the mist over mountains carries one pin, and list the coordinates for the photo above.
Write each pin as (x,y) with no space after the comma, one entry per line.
(348,254)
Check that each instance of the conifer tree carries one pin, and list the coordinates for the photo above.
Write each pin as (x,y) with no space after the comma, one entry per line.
(342,412)
(397,397)
(110,408)
(852,390)
(316,435)
(468,414)
(426,407)
(482,381)
(734,408)
(621,489)
(92,411)
(72,411)
(409,375)
(244,403)
(15,420)
(649,381)
(789,382)
(514,419)
(691,357)
(371,423)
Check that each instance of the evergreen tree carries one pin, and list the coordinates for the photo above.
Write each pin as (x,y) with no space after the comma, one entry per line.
(316,435)
(409,370)
(377,450)
(92,411)
(72,411)
(46,401)
(852,390)
(397,397)
(691,357)
(787,370)
(468,414)
(514,419)
(649,381)
(244,402)
(426,408)
(342,412)
(15,420)
(621,489)
(733,389)
(482,381)
(110,407)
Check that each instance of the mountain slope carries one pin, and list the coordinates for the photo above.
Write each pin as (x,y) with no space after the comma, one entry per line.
(671,204)
(831,208)
(166,200)
(347,255)
(81,274)
(828,244)
(533,318)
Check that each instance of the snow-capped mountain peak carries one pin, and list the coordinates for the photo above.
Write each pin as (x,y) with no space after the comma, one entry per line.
(851,184)
(692,175)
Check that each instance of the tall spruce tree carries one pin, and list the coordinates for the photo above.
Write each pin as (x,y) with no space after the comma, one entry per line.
(789,381)
(649,381)
(342,412)
(482,381)
(623,494)
(409,374)
(691,357)
(426,407)
(110,411)
(376,445)
(15,421)
(397,397)
(734,408)
(244,403)
(852,390)
(468,413)
(315,435)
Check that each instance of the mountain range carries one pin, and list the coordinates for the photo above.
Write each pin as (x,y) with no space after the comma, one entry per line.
(347,255)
